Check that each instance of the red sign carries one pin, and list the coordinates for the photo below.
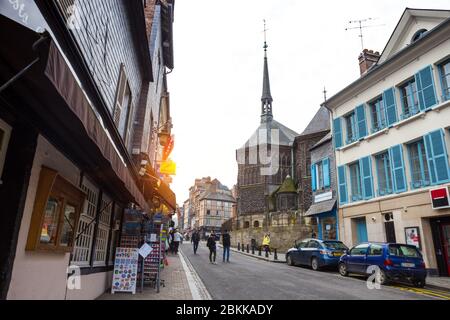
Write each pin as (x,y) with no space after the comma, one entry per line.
(168,148)
(440,198)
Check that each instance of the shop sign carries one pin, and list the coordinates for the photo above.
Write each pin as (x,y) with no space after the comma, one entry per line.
(440,198)
(125,270)
(145,250)
(323,197)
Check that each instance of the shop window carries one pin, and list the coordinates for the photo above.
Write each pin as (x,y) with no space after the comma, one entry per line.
(86,227)
(55,213)
(5,132)
(104,223)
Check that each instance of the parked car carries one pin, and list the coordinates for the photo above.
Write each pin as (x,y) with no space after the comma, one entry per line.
(396,262)
(316,253)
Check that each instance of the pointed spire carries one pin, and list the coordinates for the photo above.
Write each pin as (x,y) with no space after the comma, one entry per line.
(266,98)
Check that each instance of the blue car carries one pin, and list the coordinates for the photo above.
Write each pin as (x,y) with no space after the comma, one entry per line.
(394,261)
(316,253)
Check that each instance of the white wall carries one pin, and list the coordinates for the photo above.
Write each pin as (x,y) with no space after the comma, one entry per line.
(40,275)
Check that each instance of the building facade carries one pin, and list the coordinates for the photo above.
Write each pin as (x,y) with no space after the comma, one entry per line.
(68,127)
(216,206)
(391,137)
(324,193)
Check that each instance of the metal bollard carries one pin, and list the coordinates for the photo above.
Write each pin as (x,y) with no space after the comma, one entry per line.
(243,248)
(239,246)
(253,249)
(267,252)
(248,248)
(275,256)
(259,252)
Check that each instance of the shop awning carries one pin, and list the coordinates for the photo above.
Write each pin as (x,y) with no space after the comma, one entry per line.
(49,95)
(321,207)
(163,192)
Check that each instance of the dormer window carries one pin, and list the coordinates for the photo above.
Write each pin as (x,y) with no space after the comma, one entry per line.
(419,34)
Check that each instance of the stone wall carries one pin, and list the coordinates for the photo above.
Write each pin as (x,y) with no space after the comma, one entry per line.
(281,237)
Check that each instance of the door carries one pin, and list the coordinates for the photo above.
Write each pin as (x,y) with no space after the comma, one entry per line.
(445,232)
(361,230)
(390,231)
(357,258)
(297,255)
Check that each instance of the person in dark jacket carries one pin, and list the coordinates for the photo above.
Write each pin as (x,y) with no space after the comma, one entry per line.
(226,242)
(211,244)
(195,239)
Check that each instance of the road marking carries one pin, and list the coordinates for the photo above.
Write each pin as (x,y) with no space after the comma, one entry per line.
(427,292)
(198,289)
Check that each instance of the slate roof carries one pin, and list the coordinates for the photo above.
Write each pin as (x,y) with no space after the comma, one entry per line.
(320,122)
(321,207)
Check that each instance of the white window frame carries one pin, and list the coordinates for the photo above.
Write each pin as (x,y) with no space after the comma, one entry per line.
(83,246)
(104,226)
(6,130)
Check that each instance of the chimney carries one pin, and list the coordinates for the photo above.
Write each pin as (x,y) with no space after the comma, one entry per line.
(367,59)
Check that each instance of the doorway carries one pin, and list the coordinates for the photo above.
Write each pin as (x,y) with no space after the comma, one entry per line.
(445,238)
(361,229)
(389,227)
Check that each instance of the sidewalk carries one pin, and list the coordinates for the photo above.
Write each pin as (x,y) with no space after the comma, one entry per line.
(280,255)
(176,285)
(438,282)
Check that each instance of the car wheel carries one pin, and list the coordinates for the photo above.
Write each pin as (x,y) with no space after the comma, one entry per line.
(289,260)
(419,283)
(343,269)
(381,277)
(314,264)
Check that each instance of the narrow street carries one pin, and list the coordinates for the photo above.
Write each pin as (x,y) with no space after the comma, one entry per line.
(247,278)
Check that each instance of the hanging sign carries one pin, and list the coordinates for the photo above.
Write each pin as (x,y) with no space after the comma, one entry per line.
(125,270)
(145,250)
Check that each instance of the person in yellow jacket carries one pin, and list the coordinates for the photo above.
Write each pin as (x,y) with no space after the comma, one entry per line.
(266,244)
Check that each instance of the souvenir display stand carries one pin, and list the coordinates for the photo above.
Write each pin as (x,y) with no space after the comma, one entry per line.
(138,229)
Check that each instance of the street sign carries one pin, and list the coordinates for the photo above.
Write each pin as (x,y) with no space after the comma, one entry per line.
(145,250)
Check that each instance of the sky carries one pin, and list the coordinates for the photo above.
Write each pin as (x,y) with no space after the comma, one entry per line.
(216,84)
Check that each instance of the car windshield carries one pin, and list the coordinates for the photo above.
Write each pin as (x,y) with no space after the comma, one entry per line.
(399,250)
(334,245)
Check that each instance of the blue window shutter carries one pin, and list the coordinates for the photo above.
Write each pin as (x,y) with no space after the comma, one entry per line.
(337,132)
(361,120)
(425,88)
(313,177)
(326,172)
(390,106)
(365,166)
(342,185)
(398,168)
(437,156)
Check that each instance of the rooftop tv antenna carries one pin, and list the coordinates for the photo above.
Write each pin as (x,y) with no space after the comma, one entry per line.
(361,26)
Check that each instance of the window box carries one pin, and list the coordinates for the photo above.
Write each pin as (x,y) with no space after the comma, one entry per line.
(56,213)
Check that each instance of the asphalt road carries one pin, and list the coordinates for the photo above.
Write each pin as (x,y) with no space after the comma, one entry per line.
(249,278)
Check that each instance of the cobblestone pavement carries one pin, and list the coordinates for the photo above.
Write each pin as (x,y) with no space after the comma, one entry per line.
(176,285)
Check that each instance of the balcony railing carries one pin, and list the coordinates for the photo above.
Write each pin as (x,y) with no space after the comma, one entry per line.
(384,192)
(351,139)
(356,197)
(379,127)
(420,184)
(413,110)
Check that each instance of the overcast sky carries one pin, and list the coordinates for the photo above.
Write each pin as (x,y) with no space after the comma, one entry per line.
(217,81)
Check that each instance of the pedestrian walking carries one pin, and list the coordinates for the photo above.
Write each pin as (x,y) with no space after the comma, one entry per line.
(226,242)
(211,244)
(195,239)
(177,237)
(266,244)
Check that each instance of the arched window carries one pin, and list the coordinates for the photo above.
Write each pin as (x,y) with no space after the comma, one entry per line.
(419,34)
(256,224)
(247,224)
